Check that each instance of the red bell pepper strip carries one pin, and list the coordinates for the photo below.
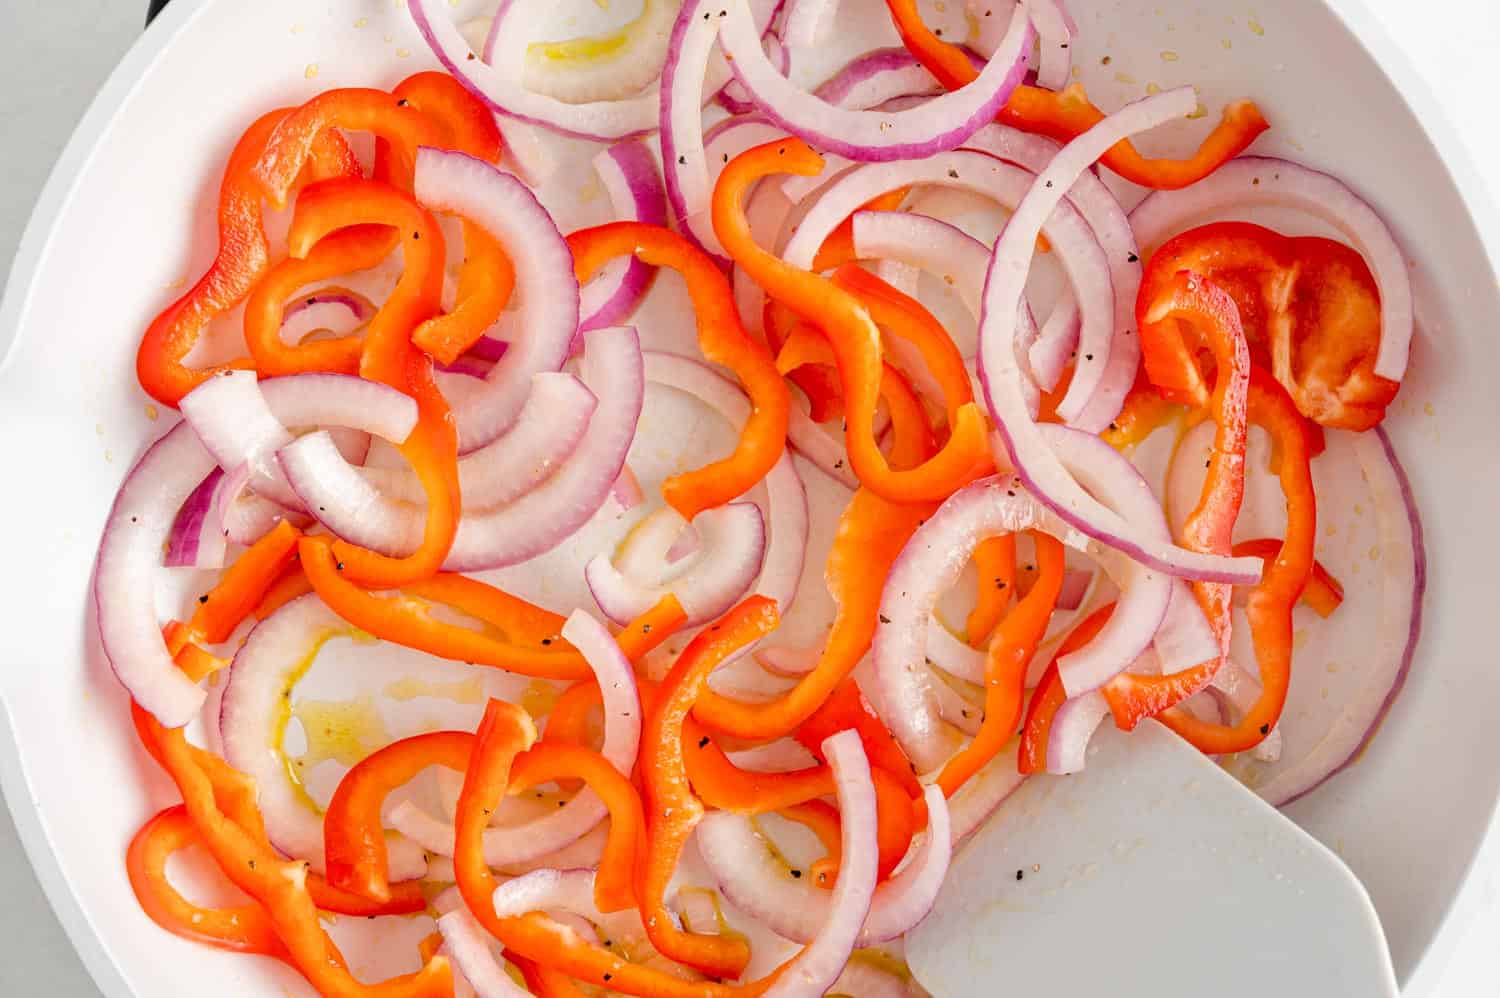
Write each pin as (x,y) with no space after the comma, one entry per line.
(871,533)
(846,709)
(723,341)
(1324,593)
(290,584)
(1270,604)
(897,823)
(244,585)
(995,565)
(279,885)
(243,257)
(1067,114)
(672,809)
(354,840)
(1010,652)
(406,621)
(850,329)
(820,383)
(344,252)
(503,734)
(838,247)
(544,982)
(1049,694)
(389,357)
(244,928)
(822,819)
(1191,300)
(1310,309)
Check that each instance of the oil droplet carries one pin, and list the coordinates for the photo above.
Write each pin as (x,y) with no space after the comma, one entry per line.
(1256,27)
(152,412)
(1169,56)
(410,688)
(403,53)
(1333,528)
(940,7)
(1299,638)
(1427,408)
(1152,88)
(1226,43)
(1332,667)
(296,29)
(362,22)
(1200,111)
(311,71)
(1359,510)
(1125,78)
(1375,553)
(344,731)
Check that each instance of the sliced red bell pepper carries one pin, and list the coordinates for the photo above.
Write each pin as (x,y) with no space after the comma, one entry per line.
(896,824)
(838,248)
(820,383)
(389,357)
(243,585)
(290,584)
(995,566)
(822,819)
(504,733)
(844,319)
(1066,114)
(406,621)
(1310,310)
(1324,593)
(722,340)
(1049,694)
(1270,604)
(846,710)
(279,885)
(1010,652)
(672,809)
(243,257)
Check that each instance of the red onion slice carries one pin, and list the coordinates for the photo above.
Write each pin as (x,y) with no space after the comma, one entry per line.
(953,656)
(1002,376)
(129,552)
(733,97)
(340,400)
(549,429)
(561,828)
(231,417)
(786,498)
(1184,638)
(933,245)
(630,65)
(939,125)
(868,979)
(251,719)
(565,895)
(631,180)
(877,76)
(754,879)
(1075,586)
(500,204)
(331,310)
(734,542)
(1072,727)
(504,93)
(1056,342)
(1054,31)
(808,22)
(626,491)
(822,450)
(993,17)
(812,972)
(684,159)
(787,661)
(468,945)
(1262,180)
(197,539)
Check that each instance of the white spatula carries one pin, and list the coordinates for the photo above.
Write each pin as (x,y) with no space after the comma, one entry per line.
(1153,872)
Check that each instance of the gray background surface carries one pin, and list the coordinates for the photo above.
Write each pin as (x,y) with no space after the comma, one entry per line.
(54,54)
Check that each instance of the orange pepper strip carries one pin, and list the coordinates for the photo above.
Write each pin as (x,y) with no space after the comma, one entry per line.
(279,885)
(357,248)
(820,383)
(1144,412)
(672,809)
(723,341)
(543,981)
(1270,604)
(546,762)
(353,838)
(896,826)
(1204,306)
(502,735)
(389,357)
(871,533)
(995,564)
(244,584)
(246,928)
(1010,653)
(721,784)
(1067,114)
(487,277)
(846,709)
(406,621)
(851,331)
(287,587)
(244,255)
(1324,593)
(838,248)
(1049,694)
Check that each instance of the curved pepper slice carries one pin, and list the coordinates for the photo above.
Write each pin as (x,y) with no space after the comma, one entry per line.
(487,278)
(1189,299)
(406,621)
(995,565)
(723,341)
(503,734)
(847,323)
(343,252)
(1010,653)
(1324,593)
(1269,607)
(822,819)
(279,885)
(820,383)
(290,584)
(243,257)
(389,357)
(1049,694)
(243,585)
(1066,114)
(846,709)
(672,809)
(245,928)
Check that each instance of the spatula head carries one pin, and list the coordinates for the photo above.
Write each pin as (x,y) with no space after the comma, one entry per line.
(1153,872)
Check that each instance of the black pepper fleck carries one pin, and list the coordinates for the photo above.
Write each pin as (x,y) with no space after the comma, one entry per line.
(1020,874)
(203,599)
(645,628)
(797,874)
(682,160)
(1132,258)
(703,742)
(1088,356)
(953,174)
(1049,183)
(338,565)
(546,641)
(884,619)
(402,102)
(1265,729)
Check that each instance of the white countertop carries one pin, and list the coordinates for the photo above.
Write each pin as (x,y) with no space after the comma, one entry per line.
(54,55)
